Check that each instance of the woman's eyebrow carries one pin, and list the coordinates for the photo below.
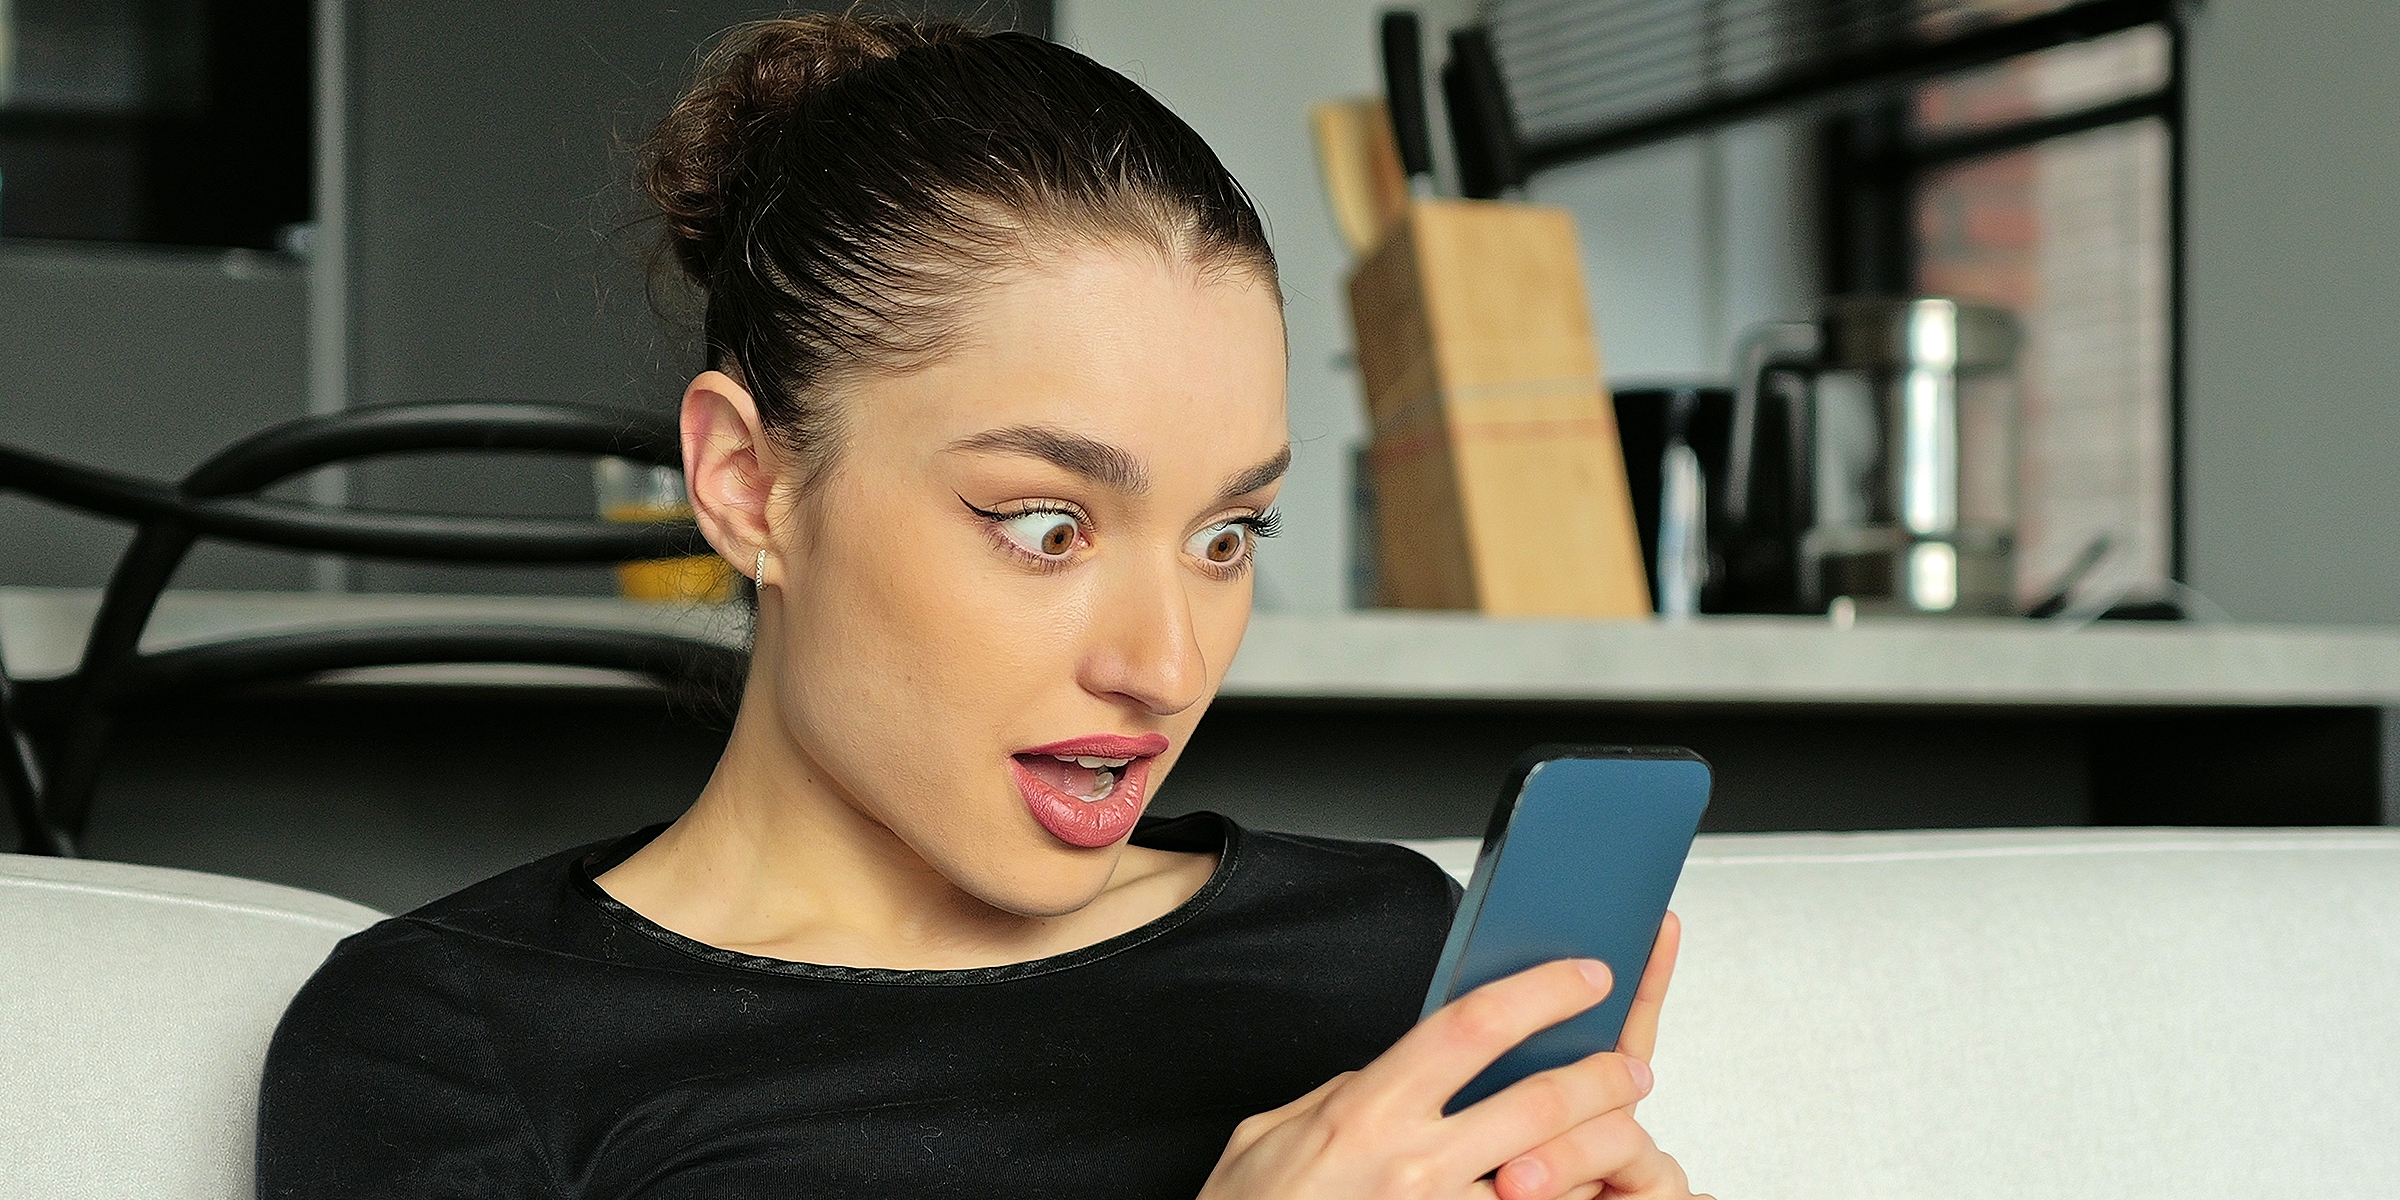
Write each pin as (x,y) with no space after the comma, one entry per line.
(1245,482)
(1109,466)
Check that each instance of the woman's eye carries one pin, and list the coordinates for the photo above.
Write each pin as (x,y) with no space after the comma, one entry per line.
(1048,534)
(1221,545)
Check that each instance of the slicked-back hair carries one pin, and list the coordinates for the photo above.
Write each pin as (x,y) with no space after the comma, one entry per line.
(839,188)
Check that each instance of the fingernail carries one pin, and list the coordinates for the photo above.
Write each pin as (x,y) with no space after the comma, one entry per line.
(1596,971)
(1527,1174)
(1641,1074)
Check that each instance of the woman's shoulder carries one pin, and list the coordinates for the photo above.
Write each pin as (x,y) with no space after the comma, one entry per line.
(1351,863)
(438,977)
(531,910)
(385,1076)
(1294,881)
(1332,937)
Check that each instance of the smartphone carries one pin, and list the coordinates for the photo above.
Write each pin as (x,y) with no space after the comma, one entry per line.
(1581,856)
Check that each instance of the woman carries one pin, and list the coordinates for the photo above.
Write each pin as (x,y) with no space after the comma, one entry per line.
(994,419)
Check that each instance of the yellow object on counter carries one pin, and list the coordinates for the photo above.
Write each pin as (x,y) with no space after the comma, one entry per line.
(696,578)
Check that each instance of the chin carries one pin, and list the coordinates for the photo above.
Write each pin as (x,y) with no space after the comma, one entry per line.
(1051,881)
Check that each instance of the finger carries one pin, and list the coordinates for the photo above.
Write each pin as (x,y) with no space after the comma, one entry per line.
(1548,1132)
(1651,1175)
(1581,1191)
(1611,1153)
(1654,1176)
(1534,1110)
(1640,1035)
(1483,1190)
(1431,1062)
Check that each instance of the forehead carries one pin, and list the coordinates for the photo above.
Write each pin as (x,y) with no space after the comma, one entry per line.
(1115,343)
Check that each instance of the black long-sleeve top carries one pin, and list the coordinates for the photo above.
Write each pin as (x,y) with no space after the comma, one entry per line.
(532,1037)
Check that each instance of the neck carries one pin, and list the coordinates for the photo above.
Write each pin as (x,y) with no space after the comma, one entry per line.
(773,860)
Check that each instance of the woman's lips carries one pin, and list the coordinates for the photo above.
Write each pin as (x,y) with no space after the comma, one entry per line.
(1062,785)
(1105,745)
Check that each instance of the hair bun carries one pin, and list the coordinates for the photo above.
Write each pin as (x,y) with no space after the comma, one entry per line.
(757,76)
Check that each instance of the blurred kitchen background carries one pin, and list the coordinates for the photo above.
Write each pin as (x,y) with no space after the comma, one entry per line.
(467,231)
(216,215)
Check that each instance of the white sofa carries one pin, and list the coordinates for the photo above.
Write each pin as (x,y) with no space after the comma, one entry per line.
(2153,1014)
(1936,1016)
(135,1006)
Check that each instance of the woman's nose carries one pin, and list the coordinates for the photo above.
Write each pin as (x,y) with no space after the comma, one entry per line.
(1146,647)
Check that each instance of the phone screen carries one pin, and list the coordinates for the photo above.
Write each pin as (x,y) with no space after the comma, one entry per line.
(1580,860)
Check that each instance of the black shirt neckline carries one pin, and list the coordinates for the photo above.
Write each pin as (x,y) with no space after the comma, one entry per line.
(1186,833)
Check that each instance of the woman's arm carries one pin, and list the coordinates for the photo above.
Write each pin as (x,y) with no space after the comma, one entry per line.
(1378,1133)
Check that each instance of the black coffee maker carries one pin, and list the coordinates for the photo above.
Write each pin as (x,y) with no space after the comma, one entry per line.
(1870,454)
(1752,567)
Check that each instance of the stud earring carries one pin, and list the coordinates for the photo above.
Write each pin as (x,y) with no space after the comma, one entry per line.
(758,573)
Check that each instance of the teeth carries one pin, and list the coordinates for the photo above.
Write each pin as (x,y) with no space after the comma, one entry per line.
(1091,763)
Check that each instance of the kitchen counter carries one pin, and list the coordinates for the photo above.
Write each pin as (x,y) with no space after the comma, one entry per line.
(1368,724)
(1794,660)
(1464,657)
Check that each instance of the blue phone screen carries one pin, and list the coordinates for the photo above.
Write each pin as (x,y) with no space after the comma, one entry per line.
(1579,862)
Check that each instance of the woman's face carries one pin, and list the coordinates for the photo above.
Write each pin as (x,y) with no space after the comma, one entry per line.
(1001,616)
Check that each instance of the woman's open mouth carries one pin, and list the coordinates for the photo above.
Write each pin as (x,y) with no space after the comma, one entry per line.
(1089,791)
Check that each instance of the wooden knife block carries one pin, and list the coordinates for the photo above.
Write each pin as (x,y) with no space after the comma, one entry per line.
(1498,479)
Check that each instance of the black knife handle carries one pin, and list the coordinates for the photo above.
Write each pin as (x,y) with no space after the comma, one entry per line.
(1404,90)
(1482,128)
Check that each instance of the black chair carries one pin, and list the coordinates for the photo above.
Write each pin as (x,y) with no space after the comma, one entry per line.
(57,741)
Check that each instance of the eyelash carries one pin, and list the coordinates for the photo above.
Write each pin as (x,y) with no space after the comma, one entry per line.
(1261,526)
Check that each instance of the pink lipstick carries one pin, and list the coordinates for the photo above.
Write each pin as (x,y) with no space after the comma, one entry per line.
(1087,791)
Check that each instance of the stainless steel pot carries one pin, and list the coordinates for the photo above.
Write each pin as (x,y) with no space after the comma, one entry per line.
(1874,455)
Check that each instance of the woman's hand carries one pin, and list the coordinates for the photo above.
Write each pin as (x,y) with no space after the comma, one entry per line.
(1379,1134)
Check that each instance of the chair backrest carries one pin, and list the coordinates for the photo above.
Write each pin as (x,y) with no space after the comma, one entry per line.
(51,797)
(135,1012)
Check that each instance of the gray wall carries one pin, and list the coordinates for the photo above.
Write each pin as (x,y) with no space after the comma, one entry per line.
(1688,243)
(2294,418)
(145,361)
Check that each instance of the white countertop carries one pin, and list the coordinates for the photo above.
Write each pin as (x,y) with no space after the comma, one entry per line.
(1795,660)
(42,629)
(1436,656)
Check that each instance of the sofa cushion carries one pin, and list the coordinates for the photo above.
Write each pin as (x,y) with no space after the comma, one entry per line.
(139,1003)
(2123,1013)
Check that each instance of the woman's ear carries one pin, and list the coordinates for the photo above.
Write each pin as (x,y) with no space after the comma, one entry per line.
(730,466)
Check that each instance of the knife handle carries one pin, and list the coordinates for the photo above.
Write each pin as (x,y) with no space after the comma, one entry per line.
(1404,92)
(1482,129)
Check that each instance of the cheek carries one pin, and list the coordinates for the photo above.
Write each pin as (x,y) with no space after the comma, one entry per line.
(902,632)
(874,628)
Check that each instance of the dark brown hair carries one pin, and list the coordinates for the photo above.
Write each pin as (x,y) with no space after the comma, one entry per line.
(838,185)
